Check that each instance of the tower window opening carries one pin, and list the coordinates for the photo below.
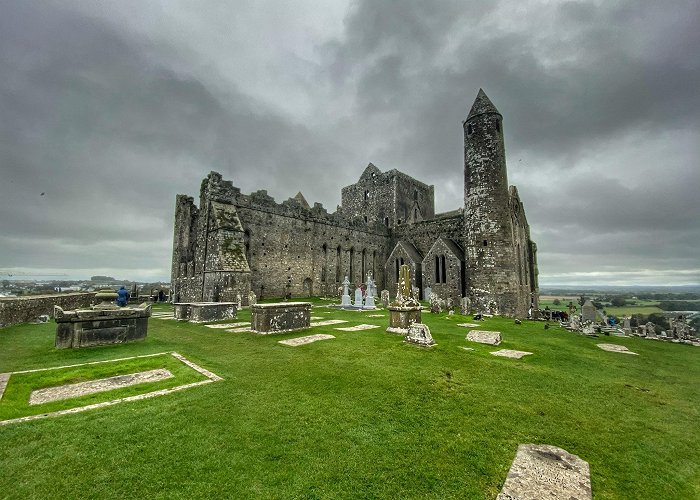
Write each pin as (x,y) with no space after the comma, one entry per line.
(365,219)
(498,125)
(470,129)
(415,213)
(386,221)
(486,243)
(366,195)
(415,194)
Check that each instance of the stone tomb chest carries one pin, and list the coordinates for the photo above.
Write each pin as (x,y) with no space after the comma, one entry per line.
(202,312)
(280,317)
(94,327)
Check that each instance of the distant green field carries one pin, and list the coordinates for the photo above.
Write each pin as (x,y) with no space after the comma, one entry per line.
(645,307)
(363,415)
(630,310)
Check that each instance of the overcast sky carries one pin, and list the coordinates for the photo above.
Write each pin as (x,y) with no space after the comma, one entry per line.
(109,109)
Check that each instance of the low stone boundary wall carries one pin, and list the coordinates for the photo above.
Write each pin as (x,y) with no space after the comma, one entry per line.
(280,317)
(15,310)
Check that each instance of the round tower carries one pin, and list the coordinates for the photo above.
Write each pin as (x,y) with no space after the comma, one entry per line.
(490,258)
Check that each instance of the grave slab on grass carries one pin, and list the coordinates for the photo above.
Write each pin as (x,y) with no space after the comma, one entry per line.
(306,340)
(616,348)
(357,328)
(4,377)
(210,377)
(229,325)
(509,353)
(467,348)
(376,315)
(69,391)
(240,329)
(468,325)
(484,337)
(543,471)
(328,322)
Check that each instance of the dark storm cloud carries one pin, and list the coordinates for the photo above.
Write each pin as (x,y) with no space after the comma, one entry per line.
(110,134)
(575,81)
(110,115)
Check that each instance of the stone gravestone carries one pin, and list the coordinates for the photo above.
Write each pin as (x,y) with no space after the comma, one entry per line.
(418,333)
(650,330)
(345,300)
(436,303)
(371,292)
(252,298)
(358,297)
(588,328)
(680,329)
(626,326)
(588,311)
(576,322)
(385,297)
(426,293)
(465,306)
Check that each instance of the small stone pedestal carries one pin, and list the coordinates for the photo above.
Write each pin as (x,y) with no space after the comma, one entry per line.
(401,317)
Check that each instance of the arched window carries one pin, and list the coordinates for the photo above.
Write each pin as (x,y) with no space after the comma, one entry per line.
(338,278)
(364,264)
(352,257)
(440,269)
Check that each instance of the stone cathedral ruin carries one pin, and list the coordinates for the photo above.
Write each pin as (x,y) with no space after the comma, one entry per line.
(233,243)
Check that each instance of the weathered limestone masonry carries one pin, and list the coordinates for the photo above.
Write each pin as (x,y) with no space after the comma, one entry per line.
(282,317)
(95,327)
(15,310)
(500,257)
(233,243)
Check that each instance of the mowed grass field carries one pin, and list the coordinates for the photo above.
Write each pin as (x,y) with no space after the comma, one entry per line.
(363,415)
(645,307)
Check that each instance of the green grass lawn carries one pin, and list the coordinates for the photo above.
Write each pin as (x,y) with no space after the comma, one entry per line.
(363,415)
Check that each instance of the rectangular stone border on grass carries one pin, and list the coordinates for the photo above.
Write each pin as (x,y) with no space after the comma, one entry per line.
(211,377)
(75,390)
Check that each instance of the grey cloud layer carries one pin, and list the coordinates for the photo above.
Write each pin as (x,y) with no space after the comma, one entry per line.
(110,117)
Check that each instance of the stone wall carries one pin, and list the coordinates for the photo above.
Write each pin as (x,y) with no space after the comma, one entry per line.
(233,242)
(389,198)
(497,246)
(15,310)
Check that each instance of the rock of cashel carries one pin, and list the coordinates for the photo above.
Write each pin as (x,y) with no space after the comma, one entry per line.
(234,243)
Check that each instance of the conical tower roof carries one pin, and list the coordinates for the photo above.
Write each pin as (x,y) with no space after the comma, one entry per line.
(482,104)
